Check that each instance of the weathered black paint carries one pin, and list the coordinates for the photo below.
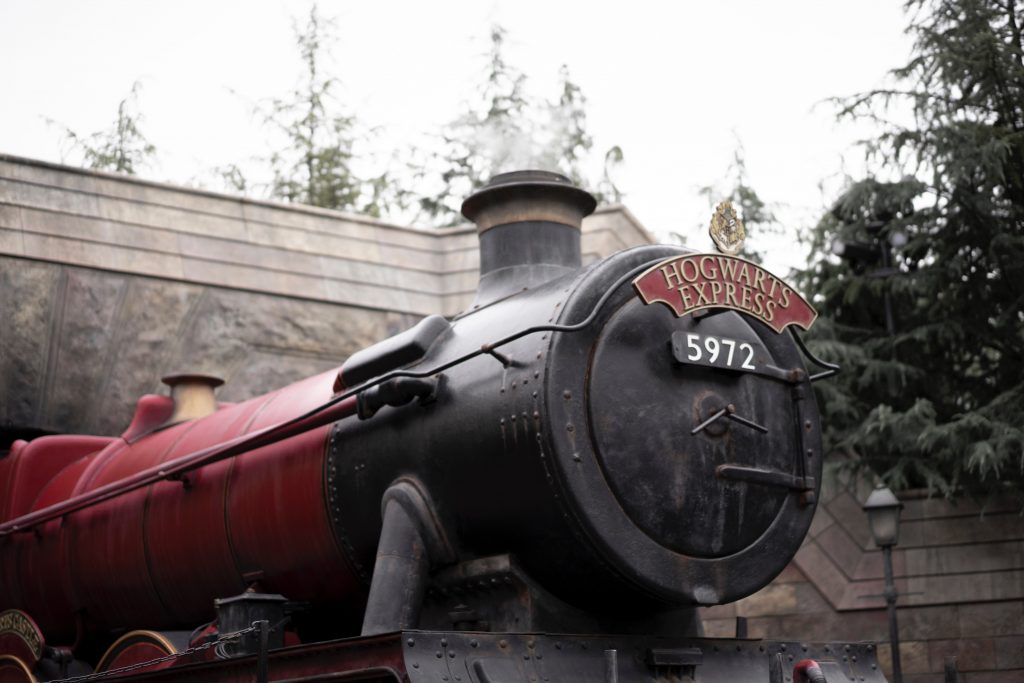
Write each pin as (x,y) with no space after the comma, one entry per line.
(574,452)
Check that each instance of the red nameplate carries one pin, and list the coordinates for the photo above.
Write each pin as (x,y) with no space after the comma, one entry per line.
(698,281)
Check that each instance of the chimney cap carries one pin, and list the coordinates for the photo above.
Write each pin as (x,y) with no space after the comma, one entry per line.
(528,185)
(199,378)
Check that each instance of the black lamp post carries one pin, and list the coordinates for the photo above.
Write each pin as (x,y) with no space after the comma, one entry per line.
(883,509)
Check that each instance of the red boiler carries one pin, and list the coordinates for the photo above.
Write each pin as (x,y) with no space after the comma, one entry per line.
(154,556)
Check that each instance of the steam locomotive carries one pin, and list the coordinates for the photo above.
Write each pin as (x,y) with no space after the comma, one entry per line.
(594,451)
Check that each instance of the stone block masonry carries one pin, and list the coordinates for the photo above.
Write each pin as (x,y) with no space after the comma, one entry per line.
(108,282)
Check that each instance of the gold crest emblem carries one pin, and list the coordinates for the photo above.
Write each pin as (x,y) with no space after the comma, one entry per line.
(727,229)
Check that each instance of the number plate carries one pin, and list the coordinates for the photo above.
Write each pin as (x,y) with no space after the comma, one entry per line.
(716,351)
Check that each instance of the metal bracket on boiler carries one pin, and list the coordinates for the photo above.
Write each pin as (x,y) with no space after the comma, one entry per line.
(756,475)
(728,412)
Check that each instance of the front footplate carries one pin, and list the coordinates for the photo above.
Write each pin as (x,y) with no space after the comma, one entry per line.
(466,657)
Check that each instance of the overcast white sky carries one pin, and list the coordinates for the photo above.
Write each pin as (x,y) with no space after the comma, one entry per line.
(675,84)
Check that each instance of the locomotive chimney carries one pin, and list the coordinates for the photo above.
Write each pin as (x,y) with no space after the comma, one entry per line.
(529,227)
(192,395)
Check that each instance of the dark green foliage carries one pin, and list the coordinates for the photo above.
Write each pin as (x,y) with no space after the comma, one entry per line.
(510,130)
(122,148)
(938,400)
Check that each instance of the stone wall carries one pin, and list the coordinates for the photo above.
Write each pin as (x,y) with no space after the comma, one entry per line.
(959,570)
(108,283)
(82,345)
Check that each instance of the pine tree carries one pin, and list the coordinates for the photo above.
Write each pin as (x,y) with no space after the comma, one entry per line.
(511,130)
(316,164)
(122,148)
(933,394)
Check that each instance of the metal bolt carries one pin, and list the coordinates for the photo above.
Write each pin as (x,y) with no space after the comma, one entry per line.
(411,642)
(474,643)
(566,394)
(438,654)
(444,642)
(570,428)
(451,654)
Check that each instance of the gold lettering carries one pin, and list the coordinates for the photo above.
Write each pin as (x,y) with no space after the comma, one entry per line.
(769,310)
(704,261)
(730,294)
(786,291)
(702,297)
(744,274)
(693,266)
(745,297)
(759,279)
(15,622)
(716,289)
(728,267)
(775,283)
(759,304)
(671,271)
(684,292)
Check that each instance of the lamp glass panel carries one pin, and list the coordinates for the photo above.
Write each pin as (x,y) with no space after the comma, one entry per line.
(885,524)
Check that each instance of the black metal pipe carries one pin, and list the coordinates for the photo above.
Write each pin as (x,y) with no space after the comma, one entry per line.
(950,671)
(262,665)
(890,601)
(611,666)
(411,542)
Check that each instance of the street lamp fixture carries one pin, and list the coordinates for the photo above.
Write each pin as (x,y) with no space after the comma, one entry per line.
(883,509)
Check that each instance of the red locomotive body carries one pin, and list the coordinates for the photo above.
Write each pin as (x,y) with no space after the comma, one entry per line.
(258,518)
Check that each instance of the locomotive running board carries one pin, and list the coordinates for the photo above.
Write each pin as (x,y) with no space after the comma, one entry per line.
(468,657)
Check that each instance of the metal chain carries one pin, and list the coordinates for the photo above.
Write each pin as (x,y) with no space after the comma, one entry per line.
(225,638)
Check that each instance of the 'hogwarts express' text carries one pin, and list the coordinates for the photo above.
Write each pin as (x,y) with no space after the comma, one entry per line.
(697,281)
